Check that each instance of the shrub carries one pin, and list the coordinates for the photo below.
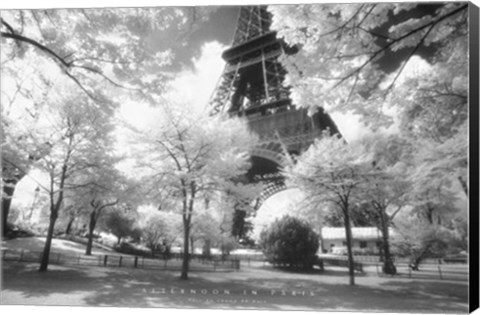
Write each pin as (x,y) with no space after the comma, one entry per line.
(290,242)
(130,249)
(227,245)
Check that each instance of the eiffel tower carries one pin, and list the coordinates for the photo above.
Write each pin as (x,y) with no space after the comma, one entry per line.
(252,86)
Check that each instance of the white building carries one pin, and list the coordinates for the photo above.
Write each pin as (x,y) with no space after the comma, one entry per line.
(364,238)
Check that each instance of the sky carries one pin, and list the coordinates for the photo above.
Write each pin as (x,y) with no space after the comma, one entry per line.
(219,27)
(198,67)
(202,67)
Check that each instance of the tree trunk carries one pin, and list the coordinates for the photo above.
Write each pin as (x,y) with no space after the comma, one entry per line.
(192,247)
(320,236)
(207,252)
(8,190)
(69,226)
(348,234)
(186,242)
(417,259)
(48,242)
(91,228)
(388,265)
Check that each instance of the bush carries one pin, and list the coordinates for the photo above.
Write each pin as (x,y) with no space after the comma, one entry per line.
(227,245)
(290,242)
(130,249)
(14,231)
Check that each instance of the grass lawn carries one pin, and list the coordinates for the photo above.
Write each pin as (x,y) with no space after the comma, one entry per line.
(254,287)
(36,244)
(65,252)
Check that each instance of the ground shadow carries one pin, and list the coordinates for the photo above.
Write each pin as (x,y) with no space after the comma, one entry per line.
(328,270)
(64,246)
(242,290)
(26,278)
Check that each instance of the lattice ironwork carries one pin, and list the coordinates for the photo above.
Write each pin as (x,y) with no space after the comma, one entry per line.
(253,21)
(253,76)
(252,85)
(272,184)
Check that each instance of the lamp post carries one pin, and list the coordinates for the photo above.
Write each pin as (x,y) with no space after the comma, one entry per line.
(35,197)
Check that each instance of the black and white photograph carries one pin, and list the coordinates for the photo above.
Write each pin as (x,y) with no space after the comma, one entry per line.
(280,157)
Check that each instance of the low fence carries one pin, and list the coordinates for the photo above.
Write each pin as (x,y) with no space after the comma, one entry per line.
(197,263)
(249,259)
(372,259)
(364,259)
(430,271)
(333,261)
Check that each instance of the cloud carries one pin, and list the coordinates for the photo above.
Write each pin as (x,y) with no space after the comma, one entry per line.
(195,87)
(350,126)
(192,87)
(415,66)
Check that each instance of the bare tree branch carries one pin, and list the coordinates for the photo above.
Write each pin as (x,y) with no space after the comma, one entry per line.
(10,29)
(412,52)
(431,24)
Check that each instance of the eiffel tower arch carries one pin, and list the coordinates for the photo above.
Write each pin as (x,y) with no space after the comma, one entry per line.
(252,86)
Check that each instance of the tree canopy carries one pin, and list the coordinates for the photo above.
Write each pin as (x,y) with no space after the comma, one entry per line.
(190,156)
(99,44)
(348,52)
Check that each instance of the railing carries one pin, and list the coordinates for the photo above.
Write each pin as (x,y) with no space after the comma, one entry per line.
(431,268)
(248,259)
(451,272)
(197,263)
(377,258)
(334,261)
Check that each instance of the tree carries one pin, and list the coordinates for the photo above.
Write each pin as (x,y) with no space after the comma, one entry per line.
(160,228)
(193,155)
(111,44)
(241,196)
(206,228)
(394,65)
(442,163)
(72,212)
(361,216)
(433,227)
(434,119)
(101,57)
(214,220)
(120,221)
(79,136)
(290,241)
(21,148)
(347,63)
(212,229)
(351,56)
(387,190)
(419,240)
(241,227)
(75,206)
(153,232)
(332,171)
(107,189)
